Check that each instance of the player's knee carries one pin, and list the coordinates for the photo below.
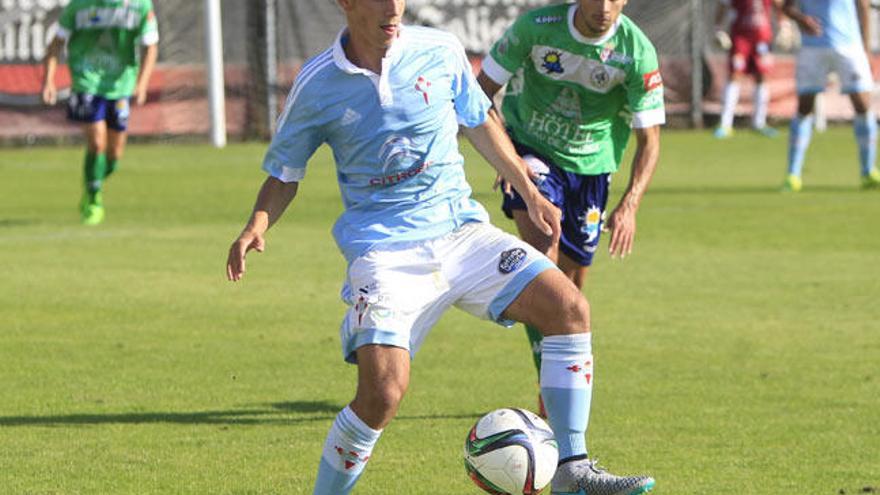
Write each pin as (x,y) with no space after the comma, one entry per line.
(96,146)
(380,405)
(569,315)
(577,315)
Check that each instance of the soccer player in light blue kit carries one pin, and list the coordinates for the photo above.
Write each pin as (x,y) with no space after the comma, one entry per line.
(389,99)
(834,38)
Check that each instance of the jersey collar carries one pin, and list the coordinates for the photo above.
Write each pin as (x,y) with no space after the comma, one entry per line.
(583,39)
(346,65)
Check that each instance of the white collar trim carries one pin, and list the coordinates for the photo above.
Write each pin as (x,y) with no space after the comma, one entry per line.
(583,39)
(346,65)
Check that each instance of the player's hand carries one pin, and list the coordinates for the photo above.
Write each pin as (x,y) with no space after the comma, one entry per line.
(546,216)
(622,225)
(786,35)
(811,25)
(235,262)
(50,94)
(505,186)
(722,39)
(140,95)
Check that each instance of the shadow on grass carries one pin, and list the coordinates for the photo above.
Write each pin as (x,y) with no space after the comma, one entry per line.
(16,222)
(275,413)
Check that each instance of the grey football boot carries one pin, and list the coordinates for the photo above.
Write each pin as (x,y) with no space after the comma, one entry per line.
(585,477)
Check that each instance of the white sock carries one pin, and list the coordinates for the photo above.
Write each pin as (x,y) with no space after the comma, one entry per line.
(348,447)
(762,99)
(731,97)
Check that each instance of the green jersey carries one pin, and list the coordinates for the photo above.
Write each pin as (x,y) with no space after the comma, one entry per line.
(574,99)
(102,43)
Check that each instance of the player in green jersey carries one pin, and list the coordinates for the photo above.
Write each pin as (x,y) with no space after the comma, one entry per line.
(107,68)
(580,77)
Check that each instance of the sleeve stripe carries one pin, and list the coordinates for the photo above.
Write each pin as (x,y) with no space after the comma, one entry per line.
(150,38)
(62,33)
(305,75)
(649,118)
(495,72)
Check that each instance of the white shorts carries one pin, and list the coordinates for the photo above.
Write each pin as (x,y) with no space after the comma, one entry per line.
(396,294)
(814,64)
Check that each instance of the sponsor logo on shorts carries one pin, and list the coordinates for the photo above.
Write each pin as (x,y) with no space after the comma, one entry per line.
(511,260)
(592,220)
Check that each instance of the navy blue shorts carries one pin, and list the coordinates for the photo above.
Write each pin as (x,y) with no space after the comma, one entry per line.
(582,199)
(84,107)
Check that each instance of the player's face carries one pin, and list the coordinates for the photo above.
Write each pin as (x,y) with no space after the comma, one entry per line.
(375,21)
(597,16)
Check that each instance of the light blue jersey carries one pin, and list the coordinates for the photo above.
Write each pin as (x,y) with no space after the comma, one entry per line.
(393,137)
(839,20)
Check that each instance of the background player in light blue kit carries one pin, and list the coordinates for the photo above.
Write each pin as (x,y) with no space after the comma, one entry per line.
(389,100)
(835,37)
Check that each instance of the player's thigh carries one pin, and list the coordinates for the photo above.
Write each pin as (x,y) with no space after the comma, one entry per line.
(499,277)
(582,216)
(118,112)
(813,67)
(487,268)
(96,136)
(116,143)
(552,304)
(394,296)
(383,375)
(852,67)
(536,237)
(761,62)
(576,272)
(861,101)
(741,51)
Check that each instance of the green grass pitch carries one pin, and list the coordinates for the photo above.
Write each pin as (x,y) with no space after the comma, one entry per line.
(738,348)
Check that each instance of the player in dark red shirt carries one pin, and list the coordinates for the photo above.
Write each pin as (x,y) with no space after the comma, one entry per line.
(751,33)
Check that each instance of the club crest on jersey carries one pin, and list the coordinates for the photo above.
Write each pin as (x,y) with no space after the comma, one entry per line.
(552,62)
(600,77)
(422,85)
(511,260)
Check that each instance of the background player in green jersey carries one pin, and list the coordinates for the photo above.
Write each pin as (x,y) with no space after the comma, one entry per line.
(579,77)
(102,38)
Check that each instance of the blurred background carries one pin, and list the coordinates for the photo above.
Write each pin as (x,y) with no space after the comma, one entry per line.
(266,41)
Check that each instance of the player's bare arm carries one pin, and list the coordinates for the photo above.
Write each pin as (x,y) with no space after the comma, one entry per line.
(807,23)
(491,88)
(622,222)
(864,10)
(50,64)
(492,142)
(151,53)
(722,39)
(272,200)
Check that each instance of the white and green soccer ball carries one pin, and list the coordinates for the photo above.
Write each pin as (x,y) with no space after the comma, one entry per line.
(511,452)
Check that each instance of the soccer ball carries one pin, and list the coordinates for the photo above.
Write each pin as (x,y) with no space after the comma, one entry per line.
(511,451)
